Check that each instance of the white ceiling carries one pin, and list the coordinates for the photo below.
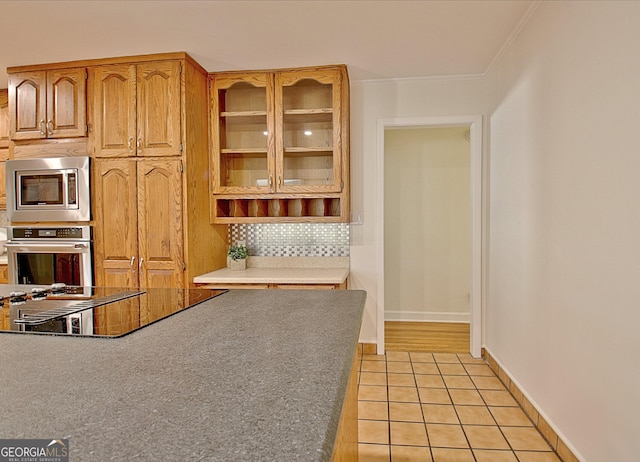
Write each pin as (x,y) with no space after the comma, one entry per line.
(376,39)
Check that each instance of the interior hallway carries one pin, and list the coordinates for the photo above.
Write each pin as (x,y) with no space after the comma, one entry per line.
(441,405)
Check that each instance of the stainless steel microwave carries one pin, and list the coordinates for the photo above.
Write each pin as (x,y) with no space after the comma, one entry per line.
(48,189)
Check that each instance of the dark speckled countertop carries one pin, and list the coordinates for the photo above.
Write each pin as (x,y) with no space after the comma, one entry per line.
(252,375)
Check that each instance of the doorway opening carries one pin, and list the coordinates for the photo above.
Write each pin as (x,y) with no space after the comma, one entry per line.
(429,225)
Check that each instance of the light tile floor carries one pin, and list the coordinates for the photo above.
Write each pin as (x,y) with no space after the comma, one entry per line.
(441,407)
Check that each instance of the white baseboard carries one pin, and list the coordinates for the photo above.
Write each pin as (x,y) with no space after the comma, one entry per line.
(426,316)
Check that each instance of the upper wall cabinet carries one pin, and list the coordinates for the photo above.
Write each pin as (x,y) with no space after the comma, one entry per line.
(47,104)
(136,109)
(280,148)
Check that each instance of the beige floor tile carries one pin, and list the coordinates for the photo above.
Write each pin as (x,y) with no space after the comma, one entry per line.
(485,437)
(498,398)
(491,455)
(446,358)
(401,380)
(439,413)
(474,415)
(373,431)
(420,357)
(409,454)
(429,381)
(373,453)
(525,439)
(408,433)
(434,396)
(374,358)
(373,366)
(488,383)
(372,393)
(479,369)
(458,381)
(399,367)
(510,417)
(466,397)
(373,410)
(373,378)
(529,456)
(446,436)
(452,455)
(405,412)
(451,369)
(397,356)
(403,394)
(425,368)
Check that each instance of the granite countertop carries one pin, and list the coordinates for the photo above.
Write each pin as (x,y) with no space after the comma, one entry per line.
(246,376)
(282,270)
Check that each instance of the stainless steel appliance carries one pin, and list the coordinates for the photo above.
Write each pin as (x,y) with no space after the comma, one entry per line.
(50,189)
(50,254)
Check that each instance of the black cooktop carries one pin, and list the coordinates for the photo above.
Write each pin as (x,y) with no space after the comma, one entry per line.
(91,311)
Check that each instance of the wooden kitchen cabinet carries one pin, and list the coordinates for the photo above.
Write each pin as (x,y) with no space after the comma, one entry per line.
(4,144)
(150,198)
(4,274)
(47,104)
(136,109)
(280,146)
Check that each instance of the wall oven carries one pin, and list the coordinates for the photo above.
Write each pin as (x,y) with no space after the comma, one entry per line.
(44,255)
(48,189)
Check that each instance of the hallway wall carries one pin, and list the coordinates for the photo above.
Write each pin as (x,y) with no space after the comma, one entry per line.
(427,224)
(564,245)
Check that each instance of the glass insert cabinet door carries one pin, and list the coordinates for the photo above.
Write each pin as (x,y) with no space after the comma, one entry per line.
(243,133)
(277,132)
(308,123)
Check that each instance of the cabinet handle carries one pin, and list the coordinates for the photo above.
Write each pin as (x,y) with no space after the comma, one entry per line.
(130,145)
(133,259)
(279,181)
(140,264)
(42,132)
(270,182)
(50,127)
(139,144)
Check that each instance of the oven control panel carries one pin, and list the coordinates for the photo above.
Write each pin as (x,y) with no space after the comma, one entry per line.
(29,232)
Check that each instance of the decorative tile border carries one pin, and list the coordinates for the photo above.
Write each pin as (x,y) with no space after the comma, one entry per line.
(559,446)
(292,239)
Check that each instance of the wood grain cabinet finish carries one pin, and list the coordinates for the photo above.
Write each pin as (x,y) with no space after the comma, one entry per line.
(136,109)
(280,145)
(139,242)
(150,188)
(48,104)
(4,144)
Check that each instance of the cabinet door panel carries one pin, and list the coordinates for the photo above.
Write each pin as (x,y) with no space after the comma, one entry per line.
(66,103)
(27,105)
(160,223)
(114,103)
(116,243)
(159,109)
(4,119)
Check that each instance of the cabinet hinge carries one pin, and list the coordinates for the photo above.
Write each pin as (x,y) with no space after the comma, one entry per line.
(341,184)
(87,128)
(86,75)
(181,167)
(180,64)
(182,148)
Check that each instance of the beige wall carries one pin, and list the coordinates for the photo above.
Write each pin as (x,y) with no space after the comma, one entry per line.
(427,224)
(563,306)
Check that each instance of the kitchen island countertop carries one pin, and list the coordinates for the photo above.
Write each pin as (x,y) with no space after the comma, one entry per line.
(246,376)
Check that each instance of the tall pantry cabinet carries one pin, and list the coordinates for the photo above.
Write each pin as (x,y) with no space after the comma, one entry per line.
(148,136)
(4,144)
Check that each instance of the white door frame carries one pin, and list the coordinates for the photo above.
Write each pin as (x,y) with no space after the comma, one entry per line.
(475,127)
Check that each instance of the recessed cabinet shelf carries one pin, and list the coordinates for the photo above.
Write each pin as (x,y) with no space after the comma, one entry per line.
(278,210)
(282,133)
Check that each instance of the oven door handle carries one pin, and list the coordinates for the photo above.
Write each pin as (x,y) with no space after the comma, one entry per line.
(32,247)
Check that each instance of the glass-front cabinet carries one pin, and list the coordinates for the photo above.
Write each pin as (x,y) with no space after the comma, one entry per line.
(280,145)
